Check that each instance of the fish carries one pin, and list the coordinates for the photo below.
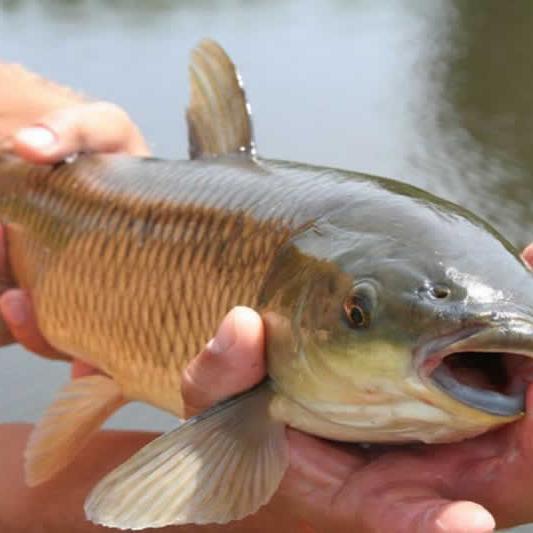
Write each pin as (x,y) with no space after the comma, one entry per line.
(390,315)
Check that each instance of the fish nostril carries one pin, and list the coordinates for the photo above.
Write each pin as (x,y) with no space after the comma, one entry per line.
(495,316)
(440,292)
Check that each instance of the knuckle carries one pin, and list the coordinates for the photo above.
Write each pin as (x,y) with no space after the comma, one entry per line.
(59,122)
(111,111)
(117,131)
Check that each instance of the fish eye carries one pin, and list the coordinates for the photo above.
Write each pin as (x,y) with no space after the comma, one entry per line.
(358,307)
(440,292)
(357,316)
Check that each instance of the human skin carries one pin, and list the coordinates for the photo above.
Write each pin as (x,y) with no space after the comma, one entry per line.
(328,487)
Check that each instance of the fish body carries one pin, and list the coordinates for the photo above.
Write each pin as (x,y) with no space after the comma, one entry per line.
(131,264)
(373,294)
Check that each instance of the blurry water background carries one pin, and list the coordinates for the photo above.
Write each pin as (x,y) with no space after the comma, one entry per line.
(438,94)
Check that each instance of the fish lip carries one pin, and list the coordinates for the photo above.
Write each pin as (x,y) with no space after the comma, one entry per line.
(514,337)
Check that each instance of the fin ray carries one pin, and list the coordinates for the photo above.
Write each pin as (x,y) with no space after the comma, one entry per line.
(79,409)
(218,116)
(215,468)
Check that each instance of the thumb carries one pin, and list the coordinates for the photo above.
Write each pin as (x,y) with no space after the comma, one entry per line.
(422,510)
(232,362)
(91,127)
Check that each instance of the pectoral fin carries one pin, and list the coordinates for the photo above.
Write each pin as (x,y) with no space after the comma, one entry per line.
(216,467)
(79,409)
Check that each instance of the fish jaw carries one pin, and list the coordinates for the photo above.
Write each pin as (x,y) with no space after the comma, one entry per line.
(379,396)
(459,365)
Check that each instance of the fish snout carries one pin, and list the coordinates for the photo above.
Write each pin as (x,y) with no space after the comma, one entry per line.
(504,332)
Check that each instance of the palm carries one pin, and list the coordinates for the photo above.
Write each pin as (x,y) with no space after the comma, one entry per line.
(406,489)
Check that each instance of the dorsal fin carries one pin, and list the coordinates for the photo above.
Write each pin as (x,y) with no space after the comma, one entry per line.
(218,115)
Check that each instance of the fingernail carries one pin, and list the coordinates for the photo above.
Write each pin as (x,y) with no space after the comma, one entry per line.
(15,309)
(38,137)
(225,337)
(463,516)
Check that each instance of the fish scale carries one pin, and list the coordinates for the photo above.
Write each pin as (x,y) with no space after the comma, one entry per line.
(166,271)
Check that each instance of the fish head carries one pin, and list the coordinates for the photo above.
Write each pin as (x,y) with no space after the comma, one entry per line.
(409,323)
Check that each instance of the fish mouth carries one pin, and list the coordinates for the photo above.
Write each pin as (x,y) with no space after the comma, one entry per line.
(485,368)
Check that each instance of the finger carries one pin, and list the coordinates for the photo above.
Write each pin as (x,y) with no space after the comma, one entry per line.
(26,96)
(17,310)
(527,254)
(91,127)
(232,362)
(422,510)
(79,369)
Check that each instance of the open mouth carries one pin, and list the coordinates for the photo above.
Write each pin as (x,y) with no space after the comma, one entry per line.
(491,382)
(477,370)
